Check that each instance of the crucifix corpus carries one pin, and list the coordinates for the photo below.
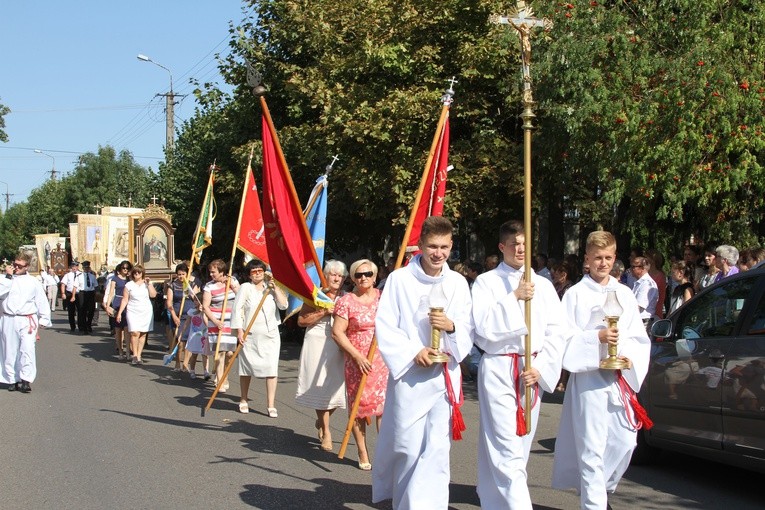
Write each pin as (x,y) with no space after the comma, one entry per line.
(523,21)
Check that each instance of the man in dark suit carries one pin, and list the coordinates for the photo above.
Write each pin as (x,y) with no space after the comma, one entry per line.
(86,294)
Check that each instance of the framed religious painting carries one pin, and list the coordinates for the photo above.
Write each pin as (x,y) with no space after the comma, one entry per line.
(155,242)
(59,259)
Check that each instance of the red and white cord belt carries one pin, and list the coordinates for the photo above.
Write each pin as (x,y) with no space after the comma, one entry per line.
(520,412)
(458,423)
(637,416)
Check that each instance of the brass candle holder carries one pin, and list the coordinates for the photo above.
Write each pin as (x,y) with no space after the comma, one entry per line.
(435,340)
(613,310)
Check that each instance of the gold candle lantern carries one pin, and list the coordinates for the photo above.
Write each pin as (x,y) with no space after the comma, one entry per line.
(437,303)
(612,310)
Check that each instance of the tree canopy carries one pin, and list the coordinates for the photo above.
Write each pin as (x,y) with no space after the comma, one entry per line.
(100,179)
(649,114)
(649,118)
(4,110)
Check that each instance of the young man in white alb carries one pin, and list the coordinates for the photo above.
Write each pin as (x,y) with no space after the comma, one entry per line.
(499,299)
(24,308)
(599,421)
(422,401)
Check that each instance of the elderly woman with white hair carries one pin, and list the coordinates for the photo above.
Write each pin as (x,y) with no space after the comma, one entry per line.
(726,257)
(321,377)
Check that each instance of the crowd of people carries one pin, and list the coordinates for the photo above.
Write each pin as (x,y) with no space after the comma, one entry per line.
(477,311)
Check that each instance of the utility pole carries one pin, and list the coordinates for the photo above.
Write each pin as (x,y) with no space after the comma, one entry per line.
(7,196)
(169,107)
(53,169)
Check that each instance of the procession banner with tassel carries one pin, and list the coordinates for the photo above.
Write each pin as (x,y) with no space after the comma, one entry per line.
(245,194)
(433,182)
(289,245)
(429,200)
(203,233)
(252,234)
(202,239)
(432,201)
(315,215)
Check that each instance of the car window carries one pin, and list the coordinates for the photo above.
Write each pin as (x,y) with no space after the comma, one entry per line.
(715,313)
(757,326)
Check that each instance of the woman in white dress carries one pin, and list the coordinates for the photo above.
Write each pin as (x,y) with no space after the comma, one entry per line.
(321,377)
(218,319)
(136,298)
(260,351)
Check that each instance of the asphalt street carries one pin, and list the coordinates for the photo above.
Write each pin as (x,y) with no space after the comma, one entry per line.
(98,433)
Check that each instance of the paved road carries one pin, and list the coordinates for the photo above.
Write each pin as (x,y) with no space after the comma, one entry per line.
(97,433)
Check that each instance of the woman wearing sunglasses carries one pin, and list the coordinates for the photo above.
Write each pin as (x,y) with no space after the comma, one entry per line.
(260,352)
(136,298)
(353,330)
(114,300)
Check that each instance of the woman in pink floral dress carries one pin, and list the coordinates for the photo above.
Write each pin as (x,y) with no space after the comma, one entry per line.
(353,330)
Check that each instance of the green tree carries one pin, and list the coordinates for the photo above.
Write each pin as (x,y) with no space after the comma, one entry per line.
(100,179)
(14,226)
(4,110)
(364,80)
(652,117)
(649,115)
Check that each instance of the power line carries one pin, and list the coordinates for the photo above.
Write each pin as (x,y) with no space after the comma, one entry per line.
(83,109)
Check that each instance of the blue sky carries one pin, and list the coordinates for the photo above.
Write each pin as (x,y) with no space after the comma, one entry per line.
(69,72)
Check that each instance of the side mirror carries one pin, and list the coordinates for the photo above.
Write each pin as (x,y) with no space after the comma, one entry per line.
(661,328)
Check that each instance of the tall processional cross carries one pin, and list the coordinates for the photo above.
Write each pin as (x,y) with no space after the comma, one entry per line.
(523,21)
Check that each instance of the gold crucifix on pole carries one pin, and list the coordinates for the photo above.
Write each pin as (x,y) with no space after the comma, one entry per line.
(522,19)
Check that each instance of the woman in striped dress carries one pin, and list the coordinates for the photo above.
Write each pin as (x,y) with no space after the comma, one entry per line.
(218,320)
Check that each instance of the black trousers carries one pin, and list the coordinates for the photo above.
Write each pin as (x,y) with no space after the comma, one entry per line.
(73,310)
(87,307)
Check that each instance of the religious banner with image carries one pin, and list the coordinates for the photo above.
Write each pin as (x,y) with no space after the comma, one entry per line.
(46,244)
(90,239)
(74,240)
(155,242)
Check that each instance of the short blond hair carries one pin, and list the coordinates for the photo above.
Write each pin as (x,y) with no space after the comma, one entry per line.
(600,239)
(360,263)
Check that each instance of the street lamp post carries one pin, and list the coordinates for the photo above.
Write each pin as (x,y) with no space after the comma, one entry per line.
(53,170)
(170,105)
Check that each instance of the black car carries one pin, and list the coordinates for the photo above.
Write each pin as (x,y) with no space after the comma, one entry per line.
(705,388)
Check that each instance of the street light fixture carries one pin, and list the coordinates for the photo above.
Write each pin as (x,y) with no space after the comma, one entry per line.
(53,170)
(170,103)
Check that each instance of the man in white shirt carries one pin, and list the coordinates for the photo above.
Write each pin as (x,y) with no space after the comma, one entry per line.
(645,289)
(86,294)
(499,298)
(23,310)
(50,282)
(69,294)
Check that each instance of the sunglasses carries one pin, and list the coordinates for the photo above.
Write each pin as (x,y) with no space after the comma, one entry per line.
(257,271)
(19,266)
(368,274)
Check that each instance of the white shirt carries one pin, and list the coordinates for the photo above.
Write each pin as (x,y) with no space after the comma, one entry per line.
(49,280)
(647,294)
(86,282)
(68,281)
